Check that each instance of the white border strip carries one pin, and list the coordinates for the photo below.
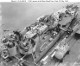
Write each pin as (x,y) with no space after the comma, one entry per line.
(73,0)
(13,0)
(5,0)
(37,0)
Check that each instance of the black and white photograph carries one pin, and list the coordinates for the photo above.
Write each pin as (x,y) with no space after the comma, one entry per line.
(39,33)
